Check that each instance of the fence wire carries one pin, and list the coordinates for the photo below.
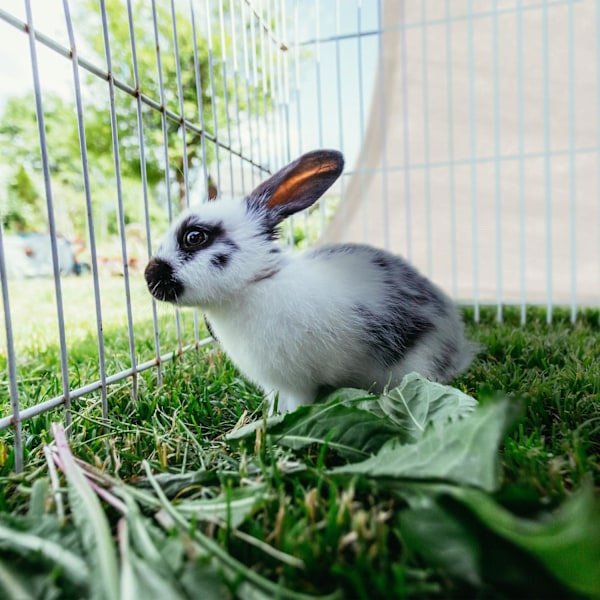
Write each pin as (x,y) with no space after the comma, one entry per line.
(214,103)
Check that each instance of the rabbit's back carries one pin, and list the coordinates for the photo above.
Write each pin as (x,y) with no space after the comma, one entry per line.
(403,318)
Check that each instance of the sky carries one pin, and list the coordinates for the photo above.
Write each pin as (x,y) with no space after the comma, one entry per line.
(15,75)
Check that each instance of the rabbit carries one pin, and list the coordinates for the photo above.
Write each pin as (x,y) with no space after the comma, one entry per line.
(340,315)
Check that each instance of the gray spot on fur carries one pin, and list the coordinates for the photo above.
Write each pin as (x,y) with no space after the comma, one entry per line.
(414,286)
(392,333)
(411,304)
(445,361)
(230,243)
(220,260)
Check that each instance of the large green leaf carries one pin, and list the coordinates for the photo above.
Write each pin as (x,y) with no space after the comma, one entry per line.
(443,541)
(351,397)
(352,432)
(464,452)
(470,536)
(356,424)
(418,403)
(566,542)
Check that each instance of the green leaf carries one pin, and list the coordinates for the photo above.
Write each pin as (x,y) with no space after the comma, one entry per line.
(470,536)
(350,397)
(25,543)
(232,507)
(442,541)
(91,523)
(353,433)
(566,542)
(463,452)
(356,424)
(417,403)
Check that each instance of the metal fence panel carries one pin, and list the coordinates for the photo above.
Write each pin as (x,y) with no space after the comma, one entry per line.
(179,85)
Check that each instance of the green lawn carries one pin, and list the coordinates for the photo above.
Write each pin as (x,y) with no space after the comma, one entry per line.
(34,320)
(289,520)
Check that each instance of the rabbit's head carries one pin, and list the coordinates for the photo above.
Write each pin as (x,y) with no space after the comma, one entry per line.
(211,253)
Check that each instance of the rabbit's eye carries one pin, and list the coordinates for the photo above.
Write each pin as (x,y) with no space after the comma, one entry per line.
(194,238)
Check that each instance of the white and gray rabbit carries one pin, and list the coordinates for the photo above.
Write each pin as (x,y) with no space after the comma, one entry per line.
(343,315)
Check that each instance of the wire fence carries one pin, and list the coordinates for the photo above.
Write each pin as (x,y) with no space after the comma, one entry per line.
(164,123)
(471,132)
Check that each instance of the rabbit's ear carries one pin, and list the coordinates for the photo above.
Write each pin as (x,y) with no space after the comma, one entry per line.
(297,186)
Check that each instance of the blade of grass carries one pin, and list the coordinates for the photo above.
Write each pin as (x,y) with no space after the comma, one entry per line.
(13,583)
(58,499)
(25,543)
(287,559)
(90,521)
(227,561)
(129,584)
(37,501)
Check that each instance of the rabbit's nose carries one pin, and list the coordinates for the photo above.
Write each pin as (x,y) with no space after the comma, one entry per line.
(161,280)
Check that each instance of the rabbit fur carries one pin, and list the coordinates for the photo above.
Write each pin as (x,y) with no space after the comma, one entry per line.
(342,315)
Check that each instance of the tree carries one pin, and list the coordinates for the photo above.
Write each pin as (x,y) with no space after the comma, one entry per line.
(23,202)
(22,195)
(211,89)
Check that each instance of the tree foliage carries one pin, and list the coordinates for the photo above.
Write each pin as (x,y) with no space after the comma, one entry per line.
(200,70)
(22,200)
(195,76)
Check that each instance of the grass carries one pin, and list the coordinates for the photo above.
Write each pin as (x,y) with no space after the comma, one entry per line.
(555,369)
(348,534)
(34,320)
